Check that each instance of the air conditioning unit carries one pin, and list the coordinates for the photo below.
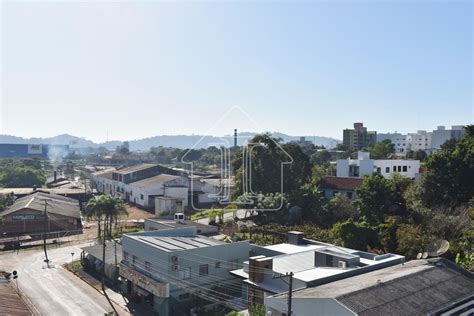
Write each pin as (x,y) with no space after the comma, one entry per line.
(342,264)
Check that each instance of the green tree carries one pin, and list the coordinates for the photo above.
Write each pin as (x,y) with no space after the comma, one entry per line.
(354,235)
(321,157)
(410,240)
(21,177)
(449,173)
(341,208)
(6,200)
(106,210)
(265,161)
(374,198)
(382,150)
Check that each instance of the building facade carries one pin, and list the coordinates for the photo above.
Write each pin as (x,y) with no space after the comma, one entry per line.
(358,137)
(363,165)
(167,268)
(40,212)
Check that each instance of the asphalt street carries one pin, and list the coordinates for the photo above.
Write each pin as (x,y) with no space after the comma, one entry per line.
(54,290)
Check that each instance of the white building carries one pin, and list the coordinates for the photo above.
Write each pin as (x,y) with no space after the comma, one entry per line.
(142,184)
(422,140)
(143,192)
(441,135)
(166,268)
(363,165)
(312,264)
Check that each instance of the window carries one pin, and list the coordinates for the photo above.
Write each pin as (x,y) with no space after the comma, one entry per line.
(141,196)
(185,274)
(405,169)
(218,265)
(328,261)
(125,256)
(334,193)
(147,266)
(349,195)
(203,269)
(399,168)
(134,261)
(387,169)
(394,168)
(379,170)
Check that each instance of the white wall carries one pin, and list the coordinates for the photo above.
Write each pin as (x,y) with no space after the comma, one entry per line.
(407,168)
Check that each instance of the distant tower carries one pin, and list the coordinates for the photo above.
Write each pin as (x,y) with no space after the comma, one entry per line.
(235,137)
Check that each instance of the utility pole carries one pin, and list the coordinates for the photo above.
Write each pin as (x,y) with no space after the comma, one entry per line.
(45,228)
(290,292)
(290,287)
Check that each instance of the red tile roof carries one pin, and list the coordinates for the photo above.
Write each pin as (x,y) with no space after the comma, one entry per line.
(341,183)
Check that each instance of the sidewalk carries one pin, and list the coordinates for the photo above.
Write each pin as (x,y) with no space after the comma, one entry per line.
(122,304)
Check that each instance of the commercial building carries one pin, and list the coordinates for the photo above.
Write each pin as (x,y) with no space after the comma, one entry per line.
(40,212)
(363,165)
(312,263)
(92,259)
(167,268)
(358,137)
(147,185)
(419,287)
(33,151)
(331,186)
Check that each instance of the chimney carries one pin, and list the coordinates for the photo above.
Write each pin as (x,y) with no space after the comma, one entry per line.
(257,266)
(295,238)
(235,137)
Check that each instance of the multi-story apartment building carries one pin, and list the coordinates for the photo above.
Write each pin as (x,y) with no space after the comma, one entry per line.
(363,165)
(358,137)
(422,140)
(167,268)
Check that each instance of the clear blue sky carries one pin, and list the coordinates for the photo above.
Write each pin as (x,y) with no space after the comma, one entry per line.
(142,69)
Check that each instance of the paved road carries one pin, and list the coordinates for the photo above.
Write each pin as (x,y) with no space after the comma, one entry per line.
(54,291)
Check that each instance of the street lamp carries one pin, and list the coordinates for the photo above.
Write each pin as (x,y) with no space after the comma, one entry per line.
(72,260)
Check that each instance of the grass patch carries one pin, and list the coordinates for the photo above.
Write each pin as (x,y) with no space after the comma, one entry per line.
(73,266)
(117,233)
(210,213)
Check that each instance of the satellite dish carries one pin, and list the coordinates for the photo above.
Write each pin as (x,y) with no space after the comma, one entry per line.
(425,255)
(418,256)
(437,248)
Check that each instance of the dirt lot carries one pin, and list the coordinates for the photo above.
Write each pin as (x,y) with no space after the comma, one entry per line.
(135,213)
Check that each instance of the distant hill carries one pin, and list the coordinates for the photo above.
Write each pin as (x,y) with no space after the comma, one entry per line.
(177,141)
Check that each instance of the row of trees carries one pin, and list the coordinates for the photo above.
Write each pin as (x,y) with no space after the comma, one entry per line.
(21,173)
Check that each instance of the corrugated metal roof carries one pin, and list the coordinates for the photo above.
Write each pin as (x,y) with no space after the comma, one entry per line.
(57,204)
(415,288)
(131,169)
(159,179)
(170,244)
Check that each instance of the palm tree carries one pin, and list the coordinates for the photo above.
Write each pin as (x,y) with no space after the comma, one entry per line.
(106,210)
